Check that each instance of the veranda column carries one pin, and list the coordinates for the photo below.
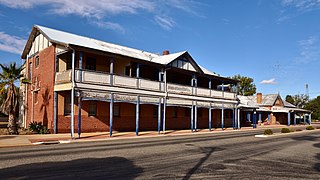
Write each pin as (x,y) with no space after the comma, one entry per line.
(289,118)
(222,118)
(304,118)
(55,112)
(233,119)
(79,114)
(195,116)
(192,117)
(164,115)
(254,119)
(295,119)
(239,119)
(310,119)
(210,118)
(111,114)
(72,95)
(236,118)
(79,94)
(137,115)
(111,71)
(159,116)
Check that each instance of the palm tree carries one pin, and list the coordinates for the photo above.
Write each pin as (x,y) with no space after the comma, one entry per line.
(8,77)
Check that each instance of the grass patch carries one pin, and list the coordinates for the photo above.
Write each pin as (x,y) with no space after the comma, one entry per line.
(285,130)
(309,128)
(268,132)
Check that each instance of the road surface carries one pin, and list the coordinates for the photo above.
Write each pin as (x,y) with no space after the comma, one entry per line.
(227,155)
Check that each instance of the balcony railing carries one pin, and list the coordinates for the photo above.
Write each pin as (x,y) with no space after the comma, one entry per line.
(102,78)
(63,77)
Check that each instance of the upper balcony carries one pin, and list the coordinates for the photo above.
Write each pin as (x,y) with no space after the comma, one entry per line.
(88,77)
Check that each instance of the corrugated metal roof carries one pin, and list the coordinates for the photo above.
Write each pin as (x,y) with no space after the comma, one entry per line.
(65,38)
(247,101)
(268,99)
(73,39)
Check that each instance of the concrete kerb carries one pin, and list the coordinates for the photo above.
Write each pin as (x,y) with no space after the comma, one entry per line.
(87,137)
(284,134)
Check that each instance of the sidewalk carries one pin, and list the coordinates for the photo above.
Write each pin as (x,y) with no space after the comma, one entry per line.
(29,140)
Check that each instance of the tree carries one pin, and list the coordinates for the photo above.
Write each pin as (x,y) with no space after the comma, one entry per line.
(289,99)
(246,87)
(9,106)
(314,106)
(299,100)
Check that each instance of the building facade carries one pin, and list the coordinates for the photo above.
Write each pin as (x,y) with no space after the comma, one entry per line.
(81,84)
(270,109)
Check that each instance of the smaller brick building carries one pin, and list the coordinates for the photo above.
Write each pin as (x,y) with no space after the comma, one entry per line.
(270,109)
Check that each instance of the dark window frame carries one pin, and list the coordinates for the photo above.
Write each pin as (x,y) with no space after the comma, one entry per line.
(67,104)
(92,108)
(116,110)
(37,63)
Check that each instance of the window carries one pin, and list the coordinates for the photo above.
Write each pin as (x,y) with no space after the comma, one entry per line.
(91,64)
(116,110)
(248,117)
(155,111)
(30,71)
(67,104)
(92,108)
(127,71)
(175,112)
(37,61)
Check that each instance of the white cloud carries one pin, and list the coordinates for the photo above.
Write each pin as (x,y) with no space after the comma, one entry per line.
(302,5)
(309,50)
(109,25)
(12,44)
(270,81)
(165,22)
(102,9)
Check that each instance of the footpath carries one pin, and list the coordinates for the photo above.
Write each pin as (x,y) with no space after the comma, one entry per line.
(38,139)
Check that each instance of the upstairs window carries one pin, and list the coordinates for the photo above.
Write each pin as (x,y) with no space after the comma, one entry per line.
(30,71)
(91,64)
(37,61)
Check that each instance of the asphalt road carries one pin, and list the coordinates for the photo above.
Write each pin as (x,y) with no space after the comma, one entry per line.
(228,155)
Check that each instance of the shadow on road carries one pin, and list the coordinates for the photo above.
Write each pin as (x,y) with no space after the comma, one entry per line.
(90,168)
(207,151)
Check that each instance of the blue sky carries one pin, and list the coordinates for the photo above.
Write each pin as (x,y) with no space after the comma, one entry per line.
(276,42)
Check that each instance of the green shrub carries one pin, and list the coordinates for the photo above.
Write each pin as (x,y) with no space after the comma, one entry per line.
(268,132)
(38,128)
(285,130)
(318,127)
(309,128)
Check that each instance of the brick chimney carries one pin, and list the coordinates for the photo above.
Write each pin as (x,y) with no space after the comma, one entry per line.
(165,52)
(259,98)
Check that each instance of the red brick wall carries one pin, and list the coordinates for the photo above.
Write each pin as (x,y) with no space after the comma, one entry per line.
(127,120)
(45,74)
